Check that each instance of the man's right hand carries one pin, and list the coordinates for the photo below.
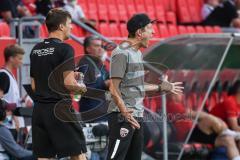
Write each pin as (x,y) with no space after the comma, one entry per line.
(82,88)
(127,114)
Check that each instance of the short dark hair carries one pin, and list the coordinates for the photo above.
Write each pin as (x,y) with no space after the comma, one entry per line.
(55,17)
(133,34)
(88,40)
(12,51)
(234,89)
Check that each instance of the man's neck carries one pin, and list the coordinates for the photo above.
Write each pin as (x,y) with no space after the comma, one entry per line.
(9,67)
(56,35)
(134,43)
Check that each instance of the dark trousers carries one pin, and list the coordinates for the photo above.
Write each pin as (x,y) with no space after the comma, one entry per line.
(125,143)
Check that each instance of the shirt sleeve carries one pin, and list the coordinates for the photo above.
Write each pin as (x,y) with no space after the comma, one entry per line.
(68,59)
(118,65)
(4,82)
(10,145)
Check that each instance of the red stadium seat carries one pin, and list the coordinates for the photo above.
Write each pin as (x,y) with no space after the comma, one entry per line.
(102,10)
(122,10)
(163,30)
(77,31)
(217,29)
(104,29)
(92,12)
(112,11)
(140,6)
(183,11)
(163,3)
(172,30)
(173,6)
(191,29)
(123,30)
(4,30)
(149,2)
(114,30)
(209,29)
(150,9)
(182,30)
(194,10)
(200,29)
(171,18)
(130,7)
(160,14)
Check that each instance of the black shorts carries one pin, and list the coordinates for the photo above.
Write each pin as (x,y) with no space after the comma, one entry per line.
(201,137)
(56,132)
(125,143)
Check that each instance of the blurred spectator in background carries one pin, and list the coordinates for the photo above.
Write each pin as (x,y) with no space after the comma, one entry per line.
(10,9)
(9,149)
(43,7)
(208,130)
(224,15)
(9,90)
(96,78)
(95,73)
(208,7)
(58,3)
(229,109)
(77,12)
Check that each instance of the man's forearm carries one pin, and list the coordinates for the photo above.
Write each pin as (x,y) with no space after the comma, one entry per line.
(151,87)
(116,95)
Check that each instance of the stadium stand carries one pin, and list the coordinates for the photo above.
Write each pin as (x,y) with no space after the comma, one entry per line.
(170,14)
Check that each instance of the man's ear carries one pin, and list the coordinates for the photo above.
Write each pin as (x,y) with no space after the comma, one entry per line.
(60,27)
(139,33)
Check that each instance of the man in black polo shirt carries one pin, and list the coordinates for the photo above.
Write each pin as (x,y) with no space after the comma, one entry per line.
(56,132)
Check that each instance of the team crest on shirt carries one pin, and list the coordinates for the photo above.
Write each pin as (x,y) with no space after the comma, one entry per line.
(123,132)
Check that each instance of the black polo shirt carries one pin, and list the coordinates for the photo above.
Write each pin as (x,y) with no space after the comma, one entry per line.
(48,60)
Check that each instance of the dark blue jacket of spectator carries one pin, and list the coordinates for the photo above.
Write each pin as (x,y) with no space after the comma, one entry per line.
(95,74)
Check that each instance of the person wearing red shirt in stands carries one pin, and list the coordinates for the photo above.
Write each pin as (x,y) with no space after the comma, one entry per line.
(208,130)
(229,109)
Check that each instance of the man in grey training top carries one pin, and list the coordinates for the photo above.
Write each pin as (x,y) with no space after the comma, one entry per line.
(128,90)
